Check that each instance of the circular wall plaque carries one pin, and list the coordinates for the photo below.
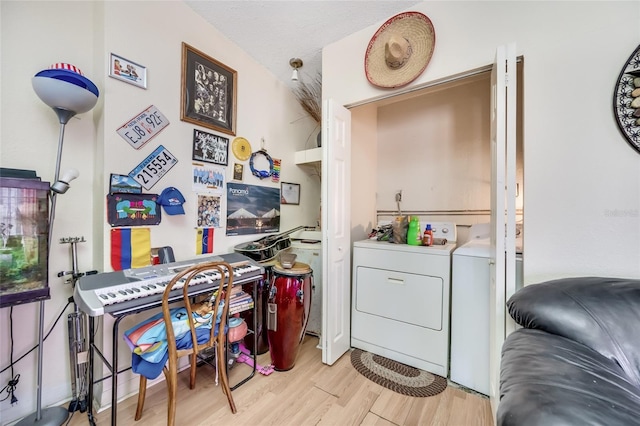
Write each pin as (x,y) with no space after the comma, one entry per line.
(626,100)
(241,149)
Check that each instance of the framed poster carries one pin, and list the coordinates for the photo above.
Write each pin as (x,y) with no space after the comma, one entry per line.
(210,148)
(252,209)
(208,91)
(289,193)
(128,71)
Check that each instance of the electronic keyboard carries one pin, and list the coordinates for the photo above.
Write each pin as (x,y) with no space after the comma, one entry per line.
(131,290)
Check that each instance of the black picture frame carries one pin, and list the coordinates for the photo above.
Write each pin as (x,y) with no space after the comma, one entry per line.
(210,148)
(208,91)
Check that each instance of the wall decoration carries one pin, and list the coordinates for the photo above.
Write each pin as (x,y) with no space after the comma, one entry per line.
(241,149)
(252,209)
(238,171)
(210,148)
(128,71)
(275,174)
(208,211)
(143,127)
(290,193)
(261,174)
(207,178)
(123,184)
(133,209)
(130,248)
(154,167)
(209,90)
(400,50)
(204,240)
(626,100)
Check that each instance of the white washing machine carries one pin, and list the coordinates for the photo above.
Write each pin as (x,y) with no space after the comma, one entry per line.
(470,308)
(400,300)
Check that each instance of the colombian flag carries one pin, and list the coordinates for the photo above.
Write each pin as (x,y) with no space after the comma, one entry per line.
(130,248)
(204,241)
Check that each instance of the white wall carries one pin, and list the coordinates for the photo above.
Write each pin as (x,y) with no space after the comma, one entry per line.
(436,149)
(150,33)
(578,168)
(364,142)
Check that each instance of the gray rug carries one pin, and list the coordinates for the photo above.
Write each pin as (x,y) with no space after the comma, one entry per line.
(397,377)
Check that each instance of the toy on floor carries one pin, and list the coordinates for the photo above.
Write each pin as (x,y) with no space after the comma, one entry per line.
(244,356)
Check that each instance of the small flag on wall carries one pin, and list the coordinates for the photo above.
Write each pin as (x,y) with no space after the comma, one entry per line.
(204,240)
(130,248)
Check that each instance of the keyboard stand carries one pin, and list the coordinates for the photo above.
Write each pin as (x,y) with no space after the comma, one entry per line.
(113,365)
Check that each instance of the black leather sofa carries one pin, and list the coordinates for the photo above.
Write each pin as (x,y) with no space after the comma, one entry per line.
(576,361)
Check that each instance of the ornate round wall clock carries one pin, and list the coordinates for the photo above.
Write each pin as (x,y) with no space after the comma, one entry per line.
(626,100)
(241,148)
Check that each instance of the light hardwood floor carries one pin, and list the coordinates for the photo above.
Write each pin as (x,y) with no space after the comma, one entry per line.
(311,393)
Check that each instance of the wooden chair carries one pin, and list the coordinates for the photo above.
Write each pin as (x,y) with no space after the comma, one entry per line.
(216,340)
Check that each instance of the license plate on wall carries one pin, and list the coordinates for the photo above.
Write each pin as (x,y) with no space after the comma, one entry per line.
(143,127)
(153,168)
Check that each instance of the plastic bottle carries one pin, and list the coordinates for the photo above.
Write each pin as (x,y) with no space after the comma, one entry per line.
(413,234)
(427,237)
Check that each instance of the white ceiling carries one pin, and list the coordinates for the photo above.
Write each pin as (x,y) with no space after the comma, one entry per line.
(273,32)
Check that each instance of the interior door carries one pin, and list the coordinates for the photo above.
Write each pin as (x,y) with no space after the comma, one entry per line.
(502,263)
(336,217)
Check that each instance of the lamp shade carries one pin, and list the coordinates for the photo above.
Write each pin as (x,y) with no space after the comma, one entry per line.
(65,88)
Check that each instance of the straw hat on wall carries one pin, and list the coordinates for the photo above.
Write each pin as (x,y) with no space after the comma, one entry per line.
(400,50)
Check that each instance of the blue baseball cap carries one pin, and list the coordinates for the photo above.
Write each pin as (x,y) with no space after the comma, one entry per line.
(171,199)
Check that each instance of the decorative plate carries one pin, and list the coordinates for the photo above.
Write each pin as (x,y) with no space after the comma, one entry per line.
(626,100)
(241,149)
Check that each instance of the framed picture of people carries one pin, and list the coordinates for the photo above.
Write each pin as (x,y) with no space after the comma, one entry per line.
(210,148)
(208,91)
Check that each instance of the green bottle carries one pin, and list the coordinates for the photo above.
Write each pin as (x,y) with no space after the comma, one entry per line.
(414,236)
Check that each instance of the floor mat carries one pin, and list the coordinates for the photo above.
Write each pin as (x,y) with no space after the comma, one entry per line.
(398,377)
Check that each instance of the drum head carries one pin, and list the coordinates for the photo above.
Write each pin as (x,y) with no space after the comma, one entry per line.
(298,268)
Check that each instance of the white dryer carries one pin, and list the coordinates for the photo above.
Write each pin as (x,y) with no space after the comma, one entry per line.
(470,308)
(400,300)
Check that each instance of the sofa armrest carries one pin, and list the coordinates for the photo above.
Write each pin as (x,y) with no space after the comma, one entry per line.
(549,380)
(601,313)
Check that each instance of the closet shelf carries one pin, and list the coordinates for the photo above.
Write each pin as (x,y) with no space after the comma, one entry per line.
(308,156)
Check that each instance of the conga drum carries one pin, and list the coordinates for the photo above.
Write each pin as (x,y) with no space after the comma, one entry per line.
(262,294)
(288,307)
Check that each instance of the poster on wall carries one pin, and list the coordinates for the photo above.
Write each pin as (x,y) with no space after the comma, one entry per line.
(208,211)
(252,209)
(207,178)
(210,148)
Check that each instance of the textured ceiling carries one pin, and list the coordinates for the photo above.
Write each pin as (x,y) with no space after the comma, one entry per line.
(272,32)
